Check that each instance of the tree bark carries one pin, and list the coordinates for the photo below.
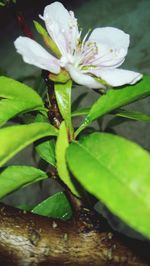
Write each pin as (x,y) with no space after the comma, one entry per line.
(28,239)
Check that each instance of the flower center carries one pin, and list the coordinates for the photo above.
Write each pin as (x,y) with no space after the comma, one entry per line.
(82,56)
(85,54)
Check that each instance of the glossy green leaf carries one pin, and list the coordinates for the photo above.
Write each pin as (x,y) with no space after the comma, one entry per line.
(56,206)
(17,98)
(116,98)
(61,146)
(63,96)
(15,177)
(15,138)
(46,150)
(117,172)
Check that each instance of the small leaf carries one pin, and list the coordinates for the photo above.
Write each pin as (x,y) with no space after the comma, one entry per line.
(15,177)
(48,41)
(63,96)
(17,98)
(56,206)
(46,150)
(117,172)
(15,138)
(116,98)
(61,146)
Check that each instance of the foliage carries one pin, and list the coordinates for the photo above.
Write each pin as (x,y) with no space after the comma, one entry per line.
(56,206)
(113,169)
(115,174)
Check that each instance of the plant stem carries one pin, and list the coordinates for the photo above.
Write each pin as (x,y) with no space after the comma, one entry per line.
(54,115)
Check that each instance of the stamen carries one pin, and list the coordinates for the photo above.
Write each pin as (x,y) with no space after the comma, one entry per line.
(85,38)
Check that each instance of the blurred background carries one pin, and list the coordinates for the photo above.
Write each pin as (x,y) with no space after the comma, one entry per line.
(132,16)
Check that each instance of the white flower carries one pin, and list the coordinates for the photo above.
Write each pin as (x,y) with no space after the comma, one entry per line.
(97,56)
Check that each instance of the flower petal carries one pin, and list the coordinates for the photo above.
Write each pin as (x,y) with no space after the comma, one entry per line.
(112,44)
(61,26)
(113,37)
(83,79)
(117,77)
(36,55)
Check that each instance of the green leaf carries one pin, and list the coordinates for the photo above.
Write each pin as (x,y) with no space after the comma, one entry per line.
(15,177)
(116,98)
(56,206)
(138,116)
(45,147)
(40,86)
(25,207)
(124,115)
(41,118)
(48,41)
(15,138)
(17,98)
(63,96)
(61,146)
(46,150)
(117,172)
(81,112)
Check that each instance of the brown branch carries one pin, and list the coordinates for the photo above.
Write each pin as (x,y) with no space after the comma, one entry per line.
(27,239)
(54,115)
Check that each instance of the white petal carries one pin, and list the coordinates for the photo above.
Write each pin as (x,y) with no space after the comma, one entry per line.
(112,37)
(36,55)
(83,79)
(61,26)
(112,46)
(58,13)
(118,77)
